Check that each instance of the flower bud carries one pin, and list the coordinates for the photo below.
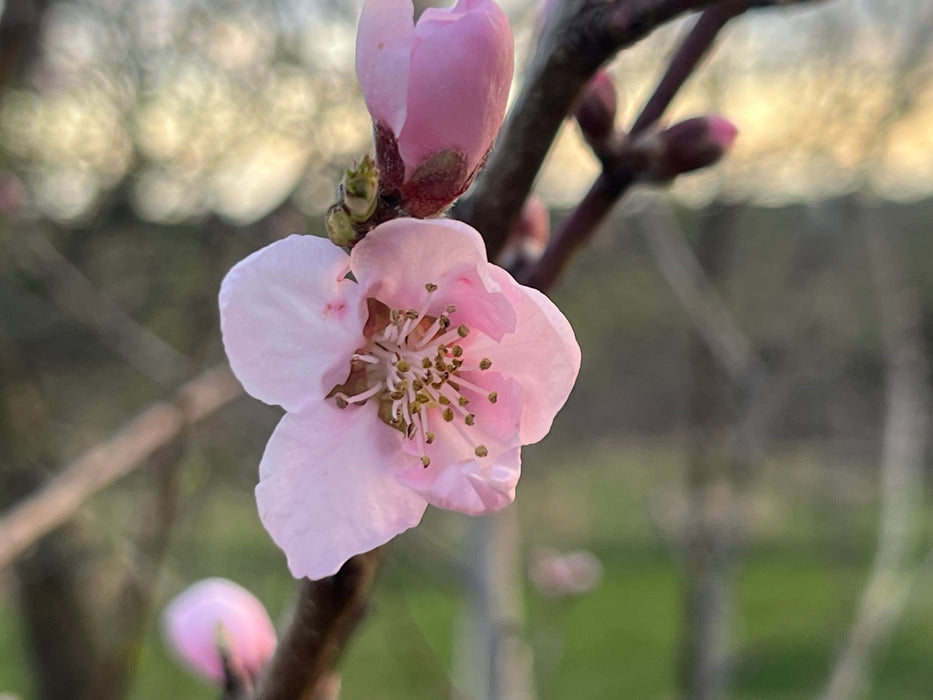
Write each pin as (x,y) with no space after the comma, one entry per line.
(339,226)
(529,237)
(596,109)
(437,93)
(686,146)
(359,190)
(216,624)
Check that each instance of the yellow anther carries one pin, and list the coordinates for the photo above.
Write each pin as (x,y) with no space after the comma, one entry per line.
(485,363)
(450,308)
(462,330)
(443,400)
(425,461)
(458,351)
(429,437)
(469,419)
(340,401)
(448,414)
(493,396)
(402,366)
(426,363)
(481,451)
(431,287)
(463,401)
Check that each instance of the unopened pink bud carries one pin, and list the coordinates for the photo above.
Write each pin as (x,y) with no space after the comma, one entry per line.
(216,612)
(689,145)
(596,110)
(530,235)
(437,93)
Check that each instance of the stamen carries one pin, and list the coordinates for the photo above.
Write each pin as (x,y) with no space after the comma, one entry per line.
(431,287)
(462,330)
(448,414)
(481,451)
(493,396)
(485,363)
(425,461)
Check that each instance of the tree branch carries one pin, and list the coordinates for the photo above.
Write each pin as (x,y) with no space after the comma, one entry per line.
(325,614)
(58,501)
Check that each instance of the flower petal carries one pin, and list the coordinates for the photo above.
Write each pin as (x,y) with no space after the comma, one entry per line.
(461,70)
(291,321)
(396,259)
(327,490)
(542,355)
(383,58)
(457,478)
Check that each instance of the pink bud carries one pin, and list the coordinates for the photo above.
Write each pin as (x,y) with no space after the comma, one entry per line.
(530,235)
(596,109)
(686,146)
(216,612)
(568,574)
(437,93)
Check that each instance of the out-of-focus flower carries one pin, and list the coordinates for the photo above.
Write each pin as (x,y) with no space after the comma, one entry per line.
(686,146)
(415,381)
(437,93)
(217,617)
(559,575)
(530,235)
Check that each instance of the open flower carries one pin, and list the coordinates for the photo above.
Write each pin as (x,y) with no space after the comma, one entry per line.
(437,92)
(216,617)
(415,381)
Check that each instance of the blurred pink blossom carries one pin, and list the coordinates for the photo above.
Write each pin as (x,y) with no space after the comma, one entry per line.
(437,93)
(559,575)
(416,383)
(215,612)
(529,236)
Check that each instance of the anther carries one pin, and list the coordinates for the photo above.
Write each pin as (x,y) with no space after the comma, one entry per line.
(425,461)
(411,314)
(402,366)
(463,401)
(429,437)
(481,451)
(341,402)
(444,322)
(469,419)
(448,414)
(458,351)
(462,330)
(493,396)
(426,363)
(431,287)
(450,308)
(485,363)
(443,400)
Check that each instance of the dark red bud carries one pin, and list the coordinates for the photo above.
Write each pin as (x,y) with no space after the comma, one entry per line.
(596,110)
(684,147)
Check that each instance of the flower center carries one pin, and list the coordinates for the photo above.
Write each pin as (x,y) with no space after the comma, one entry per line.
(412,365)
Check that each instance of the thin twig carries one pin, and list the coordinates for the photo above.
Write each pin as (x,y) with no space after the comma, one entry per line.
(78,296)
(102,465)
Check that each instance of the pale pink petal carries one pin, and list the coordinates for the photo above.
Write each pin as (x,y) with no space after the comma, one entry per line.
(327,491)
(290,321)
(214,609)
(461,70)
(398,258)
(458,479)
(383,58)
(542,355)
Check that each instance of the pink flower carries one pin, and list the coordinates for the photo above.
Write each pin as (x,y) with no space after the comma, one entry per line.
(416,383)
(437,93)
(216,612)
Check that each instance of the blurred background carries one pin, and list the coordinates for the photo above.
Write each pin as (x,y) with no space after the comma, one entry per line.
(745,454)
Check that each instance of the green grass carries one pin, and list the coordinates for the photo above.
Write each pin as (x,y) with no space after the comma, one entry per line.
(795,588)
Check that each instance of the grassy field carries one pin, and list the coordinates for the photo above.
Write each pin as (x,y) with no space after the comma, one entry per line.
(810,540)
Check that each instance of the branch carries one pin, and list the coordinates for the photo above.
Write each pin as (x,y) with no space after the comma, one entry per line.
(58,501)
(622,167)
(325,614)
(75,294)
(901,513)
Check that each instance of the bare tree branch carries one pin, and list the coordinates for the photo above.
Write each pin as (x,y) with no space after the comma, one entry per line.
(900,511)
(102,465)
(325,614)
